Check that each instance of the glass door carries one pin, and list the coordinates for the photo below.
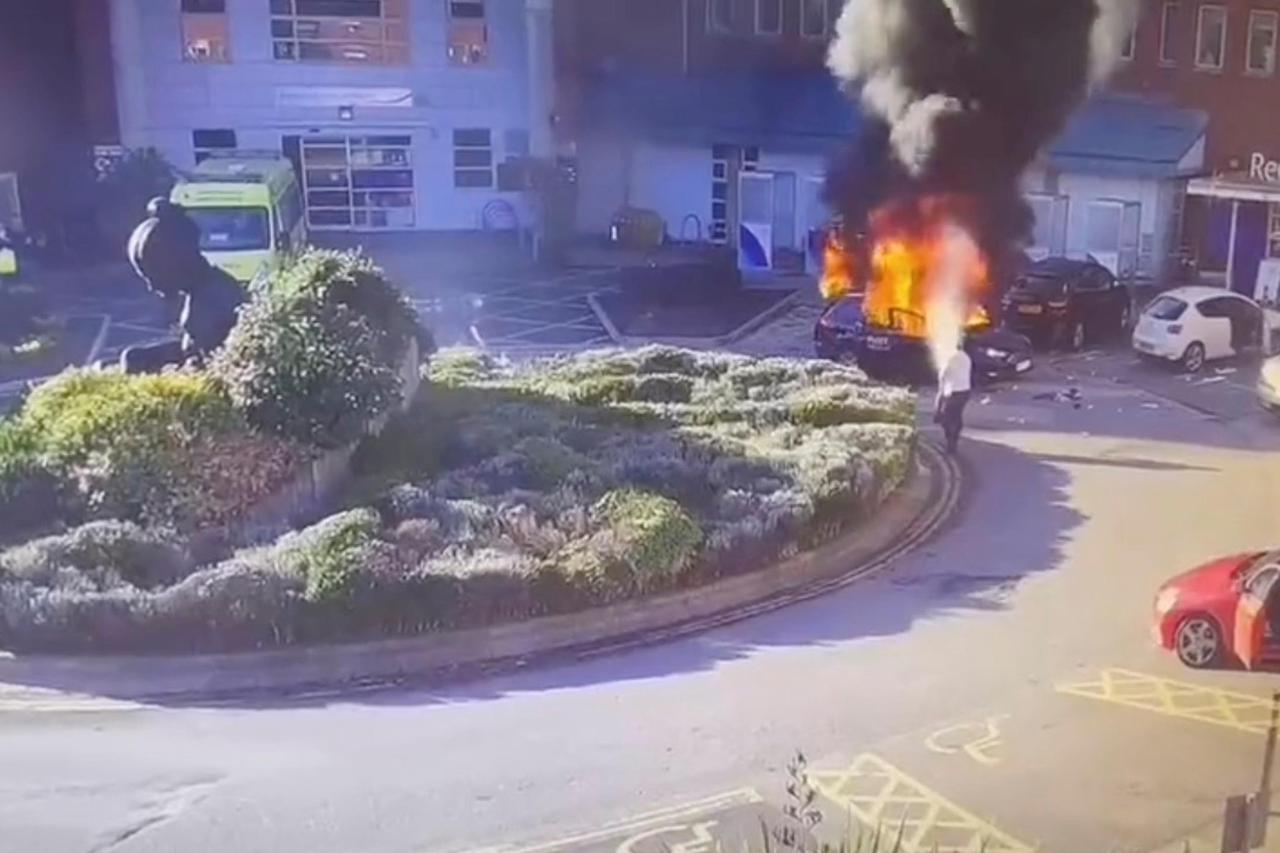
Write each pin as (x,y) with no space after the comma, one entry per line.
(358,182)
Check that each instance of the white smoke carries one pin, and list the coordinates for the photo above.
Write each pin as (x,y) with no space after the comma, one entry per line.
(1112,30)
(948,292)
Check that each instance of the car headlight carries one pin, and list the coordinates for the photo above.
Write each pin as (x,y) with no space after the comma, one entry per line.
(1166,600)
(997,354)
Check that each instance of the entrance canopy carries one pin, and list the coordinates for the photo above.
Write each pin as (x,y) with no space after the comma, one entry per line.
(1124,136)
(1237,186)
(790,111)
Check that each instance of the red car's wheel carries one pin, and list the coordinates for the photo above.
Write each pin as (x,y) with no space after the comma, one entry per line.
(1198,641)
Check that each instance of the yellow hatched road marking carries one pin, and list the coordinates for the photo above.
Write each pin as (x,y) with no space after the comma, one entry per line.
(1241,711)
(882,797)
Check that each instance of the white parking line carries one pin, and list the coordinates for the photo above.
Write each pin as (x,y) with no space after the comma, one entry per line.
(99,340)
(743,796)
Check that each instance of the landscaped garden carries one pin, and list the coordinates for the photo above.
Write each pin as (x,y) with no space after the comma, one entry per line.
(129,505)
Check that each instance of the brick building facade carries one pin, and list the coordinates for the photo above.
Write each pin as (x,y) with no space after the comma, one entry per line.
(1220,57)
(720,116)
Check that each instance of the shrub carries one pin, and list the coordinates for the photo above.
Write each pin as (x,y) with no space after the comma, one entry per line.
(31,494)
(659,538)
(98,556)
(493,584)
(517,497)
(306,370)
(353,281)
(52,619)
(231,606)
(123,192)
(546,461)
(664,389)
(460,366)
(596,390)
(124,440)
(228,476)
(84,412)
(331,555)
(834,406)
(660,359)
(411,446)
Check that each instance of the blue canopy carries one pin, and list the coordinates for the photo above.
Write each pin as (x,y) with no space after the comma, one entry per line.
(1118,135)
(1110,135)
(777,109)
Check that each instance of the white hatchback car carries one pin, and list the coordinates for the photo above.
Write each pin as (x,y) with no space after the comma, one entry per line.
(1269,384)
(1194,325)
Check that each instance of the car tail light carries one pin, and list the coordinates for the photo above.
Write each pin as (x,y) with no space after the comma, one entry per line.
(1175,328)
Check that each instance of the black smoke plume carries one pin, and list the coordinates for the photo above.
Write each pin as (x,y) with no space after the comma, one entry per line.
(961,96)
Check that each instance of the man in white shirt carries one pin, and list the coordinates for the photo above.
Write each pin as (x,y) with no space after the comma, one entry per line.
(955,381)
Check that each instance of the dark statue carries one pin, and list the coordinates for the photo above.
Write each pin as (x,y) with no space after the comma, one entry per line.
(165,252)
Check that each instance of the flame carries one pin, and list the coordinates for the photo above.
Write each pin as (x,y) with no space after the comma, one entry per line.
(838,267)
(922,260)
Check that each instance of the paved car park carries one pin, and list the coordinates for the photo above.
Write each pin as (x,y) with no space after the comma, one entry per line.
(1225,390)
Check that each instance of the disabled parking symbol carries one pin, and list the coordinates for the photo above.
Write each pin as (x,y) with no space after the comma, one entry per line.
(977,740)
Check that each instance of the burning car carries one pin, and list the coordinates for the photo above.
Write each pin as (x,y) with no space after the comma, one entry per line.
(912,289)
(843,334)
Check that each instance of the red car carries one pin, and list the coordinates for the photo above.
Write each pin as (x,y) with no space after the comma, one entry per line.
(1222,610)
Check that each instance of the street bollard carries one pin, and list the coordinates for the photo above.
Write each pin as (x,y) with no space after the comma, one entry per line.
(1235,825)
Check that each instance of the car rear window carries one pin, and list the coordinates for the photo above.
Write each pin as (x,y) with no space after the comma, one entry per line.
(1166,308)
(846,312)
(1042,284)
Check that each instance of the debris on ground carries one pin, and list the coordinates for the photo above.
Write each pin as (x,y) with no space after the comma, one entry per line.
(1212,380)
(1071,395)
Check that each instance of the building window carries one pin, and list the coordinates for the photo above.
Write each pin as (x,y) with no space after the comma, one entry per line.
(1170,29)
(1104,226)
(358,32)
(468,32)
(363,182)
(1211,38)
(515,143)
(205,34)
(768,17)
(720,16)
(1273,230)
(206,142)
(813,18)
(1262,43)
(1130,46)
(1042,210)
(472,158)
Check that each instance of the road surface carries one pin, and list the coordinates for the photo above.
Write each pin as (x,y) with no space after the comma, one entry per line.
(999,684)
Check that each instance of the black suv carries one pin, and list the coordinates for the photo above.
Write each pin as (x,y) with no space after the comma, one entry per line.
(1069,301)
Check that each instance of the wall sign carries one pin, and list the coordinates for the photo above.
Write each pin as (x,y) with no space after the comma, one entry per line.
(1261,168)
(343,96)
